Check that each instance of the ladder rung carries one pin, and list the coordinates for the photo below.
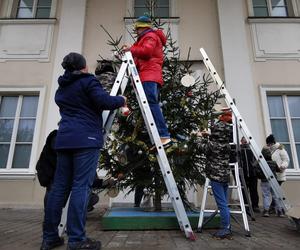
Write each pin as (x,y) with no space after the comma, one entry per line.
(234,186)
(231,211)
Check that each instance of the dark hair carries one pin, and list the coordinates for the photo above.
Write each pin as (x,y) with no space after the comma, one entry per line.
(73,61)
(270,139)
(103,67)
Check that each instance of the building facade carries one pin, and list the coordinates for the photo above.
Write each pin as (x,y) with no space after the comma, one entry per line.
(254,45)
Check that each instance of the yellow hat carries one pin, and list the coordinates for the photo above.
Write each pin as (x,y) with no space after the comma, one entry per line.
(143,22)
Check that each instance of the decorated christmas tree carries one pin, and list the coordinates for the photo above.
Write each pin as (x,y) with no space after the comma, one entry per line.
(188,106)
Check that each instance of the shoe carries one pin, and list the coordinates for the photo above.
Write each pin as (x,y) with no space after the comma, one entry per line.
(266,213)
(88,244)
(166,144)
(272,210)
(256,210)
(47,245)
(223,234)
(93,200)
(280,214)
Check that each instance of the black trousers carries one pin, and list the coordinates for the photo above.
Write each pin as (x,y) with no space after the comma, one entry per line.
(251,183)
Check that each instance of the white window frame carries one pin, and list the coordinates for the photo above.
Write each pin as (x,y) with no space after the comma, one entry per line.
(11,9)
(30,171)
(294,6)
(283,91)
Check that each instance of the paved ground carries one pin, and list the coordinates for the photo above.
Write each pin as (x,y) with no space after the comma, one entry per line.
(21,229)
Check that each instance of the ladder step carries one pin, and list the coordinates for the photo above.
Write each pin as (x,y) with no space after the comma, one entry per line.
(234,186)
(231,211)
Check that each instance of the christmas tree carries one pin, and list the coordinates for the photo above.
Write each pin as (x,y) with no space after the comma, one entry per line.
(188,106)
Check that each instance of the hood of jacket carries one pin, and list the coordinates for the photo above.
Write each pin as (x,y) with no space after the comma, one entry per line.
(161,36)
(69,77)
(158,32)
(276,146)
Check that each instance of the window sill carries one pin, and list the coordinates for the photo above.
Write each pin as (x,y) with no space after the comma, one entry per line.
(129,20)
(17,176)
(273,19)
(292,175)
(27,21)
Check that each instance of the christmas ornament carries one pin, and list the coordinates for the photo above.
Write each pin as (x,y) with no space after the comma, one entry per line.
(113,192)
(188,80)
(140,152)
(125,111)
(189,94)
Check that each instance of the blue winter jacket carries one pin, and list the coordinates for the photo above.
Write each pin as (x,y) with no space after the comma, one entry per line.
(81,100)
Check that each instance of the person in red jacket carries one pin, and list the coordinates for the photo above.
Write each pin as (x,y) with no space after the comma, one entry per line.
(148,55)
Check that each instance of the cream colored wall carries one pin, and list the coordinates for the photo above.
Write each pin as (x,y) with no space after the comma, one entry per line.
(23,74)
(109,14)
(198,28)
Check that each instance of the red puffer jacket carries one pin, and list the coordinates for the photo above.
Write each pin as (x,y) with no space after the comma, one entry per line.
(148,55)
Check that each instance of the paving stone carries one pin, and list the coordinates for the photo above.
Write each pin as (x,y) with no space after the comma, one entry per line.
(21,229)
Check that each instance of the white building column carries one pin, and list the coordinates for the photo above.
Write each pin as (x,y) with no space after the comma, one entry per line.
(70,39)
(237,63)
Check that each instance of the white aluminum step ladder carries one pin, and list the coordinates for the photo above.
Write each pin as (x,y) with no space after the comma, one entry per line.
(128,71)
(242,127)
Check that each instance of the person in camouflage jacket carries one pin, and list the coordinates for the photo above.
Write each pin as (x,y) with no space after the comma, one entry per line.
(217,169)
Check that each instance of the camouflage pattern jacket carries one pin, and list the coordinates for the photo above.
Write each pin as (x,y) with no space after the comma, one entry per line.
(107,80)
(218,153)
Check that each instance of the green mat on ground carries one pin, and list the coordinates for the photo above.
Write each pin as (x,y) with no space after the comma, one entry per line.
(138,219)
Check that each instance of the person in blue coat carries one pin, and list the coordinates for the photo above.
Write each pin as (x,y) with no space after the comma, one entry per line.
(81,100)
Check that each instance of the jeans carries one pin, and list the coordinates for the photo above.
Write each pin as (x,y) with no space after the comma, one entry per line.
(152,94)
(74,175)
(220,191)
(268,194)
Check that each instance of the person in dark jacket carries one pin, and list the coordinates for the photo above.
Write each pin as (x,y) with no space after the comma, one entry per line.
(81,100)
(267,191)
(148,55)
(248,164)
(46,165)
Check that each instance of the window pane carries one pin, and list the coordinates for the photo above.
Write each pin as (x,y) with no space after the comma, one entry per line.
(25,13)
(44,3)
(279,11)
(21,156)
(29,106)
(279,129)
(139,2)
(6,128)
(162,12)
(298,153)
(25,3)
(4,149)
(259,3)
(163,2)
(260,11)
(296,129)
(287,147)
(25,130)
(43,13)
(8,106)
(141,11)
(294,104)
(275,104)
(278,2)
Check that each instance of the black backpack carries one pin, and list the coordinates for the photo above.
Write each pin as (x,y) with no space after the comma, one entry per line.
(46,164)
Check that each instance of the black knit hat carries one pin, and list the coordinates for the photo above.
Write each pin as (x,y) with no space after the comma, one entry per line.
(73,61)
(270,139)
